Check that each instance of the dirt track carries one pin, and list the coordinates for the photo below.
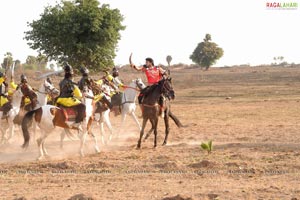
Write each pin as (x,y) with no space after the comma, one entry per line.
(251,114)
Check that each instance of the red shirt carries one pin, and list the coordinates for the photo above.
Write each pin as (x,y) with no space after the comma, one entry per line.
(153,74)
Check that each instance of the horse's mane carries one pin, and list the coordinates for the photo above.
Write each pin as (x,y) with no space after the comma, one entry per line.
(153,87)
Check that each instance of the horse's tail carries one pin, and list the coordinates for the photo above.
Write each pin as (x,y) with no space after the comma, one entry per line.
(26,123)
(176,120)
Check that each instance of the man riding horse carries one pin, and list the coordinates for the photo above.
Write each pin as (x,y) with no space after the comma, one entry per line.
(154,74)
(70,95)
(5,104)
(117,82)
(86,82)
(27,92)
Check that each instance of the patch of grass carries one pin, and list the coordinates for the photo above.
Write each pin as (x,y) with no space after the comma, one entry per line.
(207,146)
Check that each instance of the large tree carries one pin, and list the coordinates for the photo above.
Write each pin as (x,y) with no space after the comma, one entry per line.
(80,32)
(206,53)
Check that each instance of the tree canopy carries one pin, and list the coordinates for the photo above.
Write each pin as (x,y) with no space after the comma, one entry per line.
(206,53)
(38,62)
(7,60)
(169,59)
(80,32)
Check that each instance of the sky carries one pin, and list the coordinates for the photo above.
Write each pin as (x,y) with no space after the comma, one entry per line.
(248,32)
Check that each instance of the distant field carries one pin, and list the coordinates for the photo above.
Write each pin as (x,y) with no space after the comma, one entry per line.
(252,114)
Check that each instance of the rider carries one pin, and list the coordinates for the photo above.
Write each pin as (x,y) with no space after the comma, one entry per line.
(84,81)
(27,92)
(70,94)
(154,74)
(117,82)
(5,104)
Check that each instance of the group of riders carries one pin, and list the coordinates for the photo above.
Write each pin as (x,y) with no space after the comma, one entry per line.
(71,92)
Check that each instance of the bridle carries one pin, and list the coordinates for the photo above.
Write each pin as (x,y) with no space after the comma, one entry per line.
(138,85)
(165,87)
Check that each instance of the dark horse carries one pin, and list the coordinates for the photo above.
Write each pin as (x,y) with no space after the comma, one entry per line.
(151,108)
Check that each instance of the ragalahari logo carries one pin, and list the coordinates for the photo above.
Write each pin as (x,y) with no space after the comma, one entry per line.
(282,5)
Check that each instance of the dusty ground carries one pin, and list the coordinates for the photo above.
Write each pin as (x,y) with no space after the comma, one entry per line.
(251,114)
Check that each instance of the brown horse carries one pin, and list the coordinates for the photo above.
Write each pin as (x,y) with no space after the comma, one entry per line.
(151,108)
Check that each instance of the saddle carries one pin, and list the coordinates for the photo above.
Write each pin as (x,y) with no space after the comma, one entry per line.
(69,113)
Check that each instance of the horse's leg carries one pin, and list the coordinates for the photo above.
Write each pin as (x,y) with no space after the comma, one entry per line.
(34,126)
(89,128)
(3,130)
(136,120)
(44,149)
(82,141)
(124,114)
(40,142)
(150,131)
(62,137)
(108,124)
(96,142)
(167,126)
(2,134)
(102,132)
(142,132)
(11,129)
(155,121)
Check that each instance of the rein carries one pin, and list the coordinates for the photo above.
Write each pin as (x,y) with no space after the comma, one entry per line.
(132,88)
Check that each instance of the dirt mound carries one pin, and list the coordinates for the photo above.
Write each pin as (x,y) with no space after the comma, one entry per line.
(99,164)
(166,165)
(177,197)
(81,197)
(203,164)
(20,198)
(59,165)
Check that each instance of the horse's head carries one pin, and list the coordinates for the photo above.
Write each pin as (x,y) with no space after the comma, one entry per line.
(50,89)
(167,88)
(139,83)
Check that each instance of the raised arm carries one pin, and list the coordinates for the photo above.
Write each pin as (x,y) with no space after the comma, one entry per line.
(137,68)
(133,65)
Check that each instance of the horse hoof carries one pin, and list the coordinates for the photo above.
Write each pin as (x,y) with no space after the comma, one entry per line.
(97,150)
(40,158)
(47,156)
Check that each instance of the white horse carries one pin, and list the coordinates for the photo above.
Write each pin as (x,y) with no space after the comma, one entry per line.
(7,124)
(103,117)
(87,99)
(45,89)
(128,105)
(49,117)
